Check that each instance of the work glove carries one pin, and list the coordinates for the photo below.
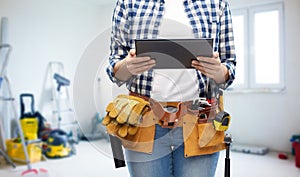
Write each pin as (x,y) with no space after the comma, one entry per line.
(124,114)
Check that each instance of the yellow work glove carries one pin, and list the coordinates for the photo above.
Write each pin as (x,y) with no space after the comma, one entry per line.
(124,114)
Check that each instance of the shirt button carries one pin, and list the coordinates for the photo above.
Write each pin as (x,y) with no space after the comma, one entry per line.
(161,3)
(156,24)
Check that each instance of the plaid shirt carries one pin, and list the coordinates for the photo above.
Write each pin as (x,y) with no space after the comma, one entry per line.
(140,19)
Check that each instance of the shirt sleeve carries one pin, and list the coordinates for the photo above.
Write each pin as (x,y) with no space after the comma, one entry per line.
(118,45)
(226,48)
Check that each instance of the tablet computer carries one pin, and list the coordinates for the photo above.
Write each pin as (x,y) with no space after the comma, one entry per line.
(174,53)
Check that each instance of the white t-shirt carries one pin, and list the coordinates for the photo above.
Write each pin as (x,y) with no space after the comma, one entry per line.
(175,84)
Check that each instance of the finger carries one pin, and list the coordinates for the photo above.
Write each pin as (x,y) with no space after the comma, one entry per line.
(142,69)
(208,73)
(138,60)
(142,61)
(203,65)
(205,59)
(212,61)
(210,66)
(195,62)
(204,68)
(145,64)
(132,52)
(216,55)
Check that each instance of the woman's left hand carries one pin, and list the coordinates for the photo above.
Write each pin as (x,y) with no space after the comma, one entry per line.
(212,68)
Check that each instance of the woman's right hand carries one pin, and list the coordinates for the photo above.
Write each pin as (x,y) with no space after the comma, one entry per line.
(137,65)
(132,65)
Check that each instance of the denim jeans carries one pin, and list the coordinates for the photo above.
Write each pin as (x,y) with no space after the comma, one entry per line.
(167,158)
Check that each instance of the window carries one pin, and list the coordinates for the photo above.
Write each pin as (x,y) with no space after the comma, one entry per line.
(258,32)
(240,26)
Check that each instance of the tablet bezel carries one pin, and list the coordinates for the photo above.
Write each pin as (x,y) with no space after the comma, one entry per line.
(174,53)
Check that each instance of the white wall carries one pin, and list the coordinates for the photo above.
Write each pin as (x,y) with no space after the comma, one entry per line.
(73,32)
(41,31)
(269,119)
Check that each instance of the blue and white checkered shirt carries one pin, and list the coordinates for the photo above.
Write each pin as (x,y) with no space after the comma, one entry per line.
(140,19)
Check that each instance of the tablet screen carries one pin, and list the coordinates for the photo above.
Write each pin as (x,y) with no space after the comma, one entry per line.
(174,53)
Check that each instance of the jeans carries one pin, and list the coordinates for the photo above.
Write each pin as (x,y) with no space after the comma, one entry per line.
(167,158)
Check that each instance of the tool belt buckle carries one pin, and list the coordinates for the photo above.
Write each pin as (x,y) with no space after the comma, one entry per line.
(170,118)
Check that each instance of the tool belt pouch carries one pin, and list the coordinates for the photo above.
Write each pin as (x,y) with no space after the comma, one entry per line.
(207,134)
(200,135)
(125,119)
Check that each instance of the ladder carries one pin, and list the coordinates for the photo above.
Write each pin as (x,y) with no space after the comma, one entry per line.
(3,147)
(63,112)
(5,49)
(8,102)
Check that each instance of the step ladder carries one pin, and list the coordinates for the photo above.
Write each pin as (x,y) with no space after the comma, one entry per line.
(63,111)
(5,50)
(3,147)
(14,120)
(8,102)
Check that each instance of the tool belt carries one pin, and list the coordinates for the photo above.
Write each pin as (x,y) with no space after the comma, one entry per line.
(169,114)
(133,117)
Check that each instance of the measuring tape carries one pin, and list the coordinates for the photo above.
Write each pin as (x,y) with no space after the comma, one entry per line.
(221,121)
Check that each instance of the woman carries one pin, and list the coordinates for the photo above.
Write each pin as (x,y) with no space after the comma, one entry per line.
(173,152)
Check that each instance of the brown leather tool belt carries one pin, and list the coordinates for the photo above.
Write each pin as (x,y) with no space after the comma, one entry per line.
(169,114)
